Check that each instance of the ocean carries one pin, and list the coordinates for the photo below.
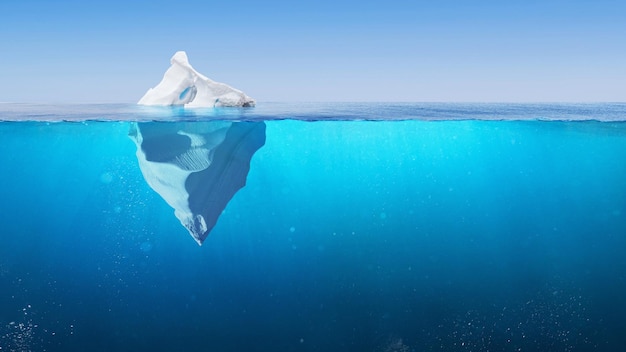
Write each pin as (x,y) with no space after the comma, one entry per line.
(336,227)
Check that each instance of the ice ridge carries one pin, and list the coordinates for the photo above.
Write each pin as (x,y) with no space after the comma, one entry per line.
(182,85)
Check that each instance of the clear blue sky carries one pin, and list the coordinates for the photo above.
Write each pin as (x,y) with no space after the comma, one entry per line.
(392,50)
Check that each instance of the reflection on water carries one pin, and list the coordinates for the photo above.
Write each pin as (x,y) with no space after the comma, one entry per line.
(197,167)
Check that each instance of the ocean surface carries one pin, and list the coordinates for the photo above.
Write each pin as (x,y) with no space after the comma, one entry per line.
(361,227)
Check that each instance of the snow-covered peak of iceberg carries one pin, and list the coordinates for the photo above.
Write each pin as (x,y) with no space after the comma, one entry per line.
(183,85)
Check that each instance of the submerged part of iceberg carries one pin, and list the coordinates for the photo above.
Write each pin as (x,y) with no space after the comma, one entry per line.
(197,167)
(182,85)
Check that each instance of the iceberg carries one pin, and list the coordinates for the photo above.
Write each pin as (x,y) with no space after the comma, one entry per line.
(182,85)
(197,167)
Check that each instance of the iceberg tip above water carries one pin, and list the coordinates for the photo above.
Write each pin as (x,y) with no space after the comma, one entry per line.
(183,85)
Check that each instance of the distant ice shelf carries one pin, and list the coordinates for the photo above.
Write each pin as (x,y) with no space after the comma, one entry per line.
(182,85)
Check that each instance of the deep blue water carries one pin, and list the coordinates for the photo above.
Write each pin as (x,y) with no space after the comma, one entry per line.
(493,228)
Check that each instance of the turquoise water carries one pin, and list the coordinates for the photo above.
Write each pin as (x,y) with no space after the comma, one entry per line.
(462,234)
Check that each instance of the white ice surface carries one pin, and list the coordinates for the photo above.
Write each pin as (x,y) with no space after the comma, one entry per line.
(168,178)
(182,85)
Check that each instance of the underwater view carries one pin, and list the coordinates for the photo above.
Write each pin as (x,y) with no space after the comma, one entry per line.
(313,227)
